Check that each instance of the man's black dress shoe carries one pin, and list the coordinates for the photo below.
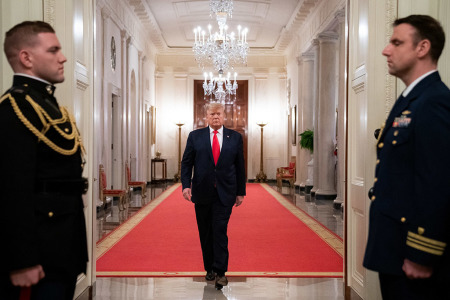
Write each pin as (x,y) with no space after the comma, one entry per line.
(221,281)
(210,275)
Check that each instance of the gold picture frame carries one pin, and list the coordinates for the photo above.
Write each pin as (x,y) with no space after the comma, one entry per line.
(294,124)
(153,124)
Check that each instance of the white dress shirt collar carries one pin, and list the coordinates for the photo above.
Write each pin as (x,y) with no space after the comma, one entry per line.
(220,130)
(33,77)
(415,82)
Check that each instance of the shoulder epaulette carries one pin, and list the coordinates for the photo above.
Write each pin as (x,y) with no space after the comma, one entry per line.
(13,90)
(18,90)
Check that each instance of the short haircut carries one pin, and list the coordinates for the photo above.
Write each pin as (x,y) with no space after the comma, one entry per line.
(214,106)
(23,35)
(426,28)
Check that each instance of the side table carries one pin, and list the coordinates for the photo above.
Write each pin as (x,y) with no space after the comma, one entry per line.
(163,163)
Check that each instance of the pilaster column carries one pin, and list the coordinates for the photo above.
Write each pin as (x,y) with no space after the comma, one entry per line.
(315,49)
(49,12)
(103,73)
(298,170)
(326,116)
(341,114)
(140,116)
(305,115)
(106,14)
(125,92)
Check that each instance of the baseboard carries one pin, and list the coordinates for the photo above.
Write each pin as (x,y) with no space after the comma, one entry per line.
(325,197)
(87,294)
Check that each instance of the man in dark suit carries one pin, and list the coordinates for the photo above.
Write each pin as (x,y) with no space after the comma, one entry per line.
(409,228)
(43,230)
(216,156)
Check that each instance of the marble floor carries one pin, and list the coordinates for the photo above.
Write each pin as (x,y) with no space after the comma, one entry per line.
(239,288)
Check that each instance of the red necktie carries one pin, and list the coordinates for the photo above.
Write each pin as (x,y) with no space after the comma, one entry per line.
(215,147)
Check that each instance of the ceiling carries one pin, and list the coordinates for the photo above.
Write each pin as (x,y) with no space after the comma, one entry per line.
(271,23)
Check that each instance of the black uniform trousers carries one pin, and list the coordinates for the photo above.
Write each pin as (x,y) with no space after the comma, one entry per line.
(212,223)
(399,287)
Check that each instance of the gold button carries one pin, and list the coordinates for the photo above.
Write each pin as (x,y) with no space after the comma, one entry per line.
(50,214)
(396,133)
(373,198)
(420,230)
(66,129)
(378,161)
(25,84)
(394,142)
(380,145)
(375,180)
(403,219)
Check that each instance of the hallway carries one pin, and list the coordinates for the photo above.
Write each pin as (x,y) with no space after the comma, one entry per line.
(239,287)
(313,66)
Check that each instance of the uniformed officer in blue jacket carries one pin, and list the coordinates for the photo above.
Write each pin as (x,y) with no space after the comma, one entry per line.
(409,228)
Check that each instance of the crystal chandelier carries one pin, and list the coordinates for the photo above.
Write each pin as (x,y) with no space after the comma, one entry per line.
(221,50)
(220,87)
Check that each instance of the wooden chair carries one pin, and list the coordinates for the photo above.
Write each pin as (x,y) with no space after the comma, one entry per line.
(286,173)
(132,184)
(121,194)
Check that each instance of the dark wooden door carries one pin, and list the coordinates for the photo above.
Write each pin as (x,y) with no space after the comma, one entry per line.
(236,113)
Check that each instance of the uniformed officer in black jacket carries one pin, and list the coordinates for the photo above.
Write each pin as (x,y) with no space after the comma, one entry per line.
(409,227)
(42,227)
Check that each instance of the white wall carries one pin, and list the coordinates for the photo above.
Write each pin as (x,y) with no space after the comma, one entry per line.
(12,13)
(267,100)
(267,104)
(174,104)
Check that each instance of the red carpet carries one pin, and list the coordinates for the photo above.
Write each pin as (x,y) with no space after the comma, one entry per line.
(268,236)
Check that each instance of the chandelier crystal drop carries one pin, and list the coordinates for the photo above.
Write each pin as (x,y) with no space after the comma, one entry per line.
(220,87)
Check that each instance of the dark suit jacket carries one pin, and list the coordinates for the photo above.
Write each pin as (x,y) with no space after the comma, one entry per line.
(229,174)
(38,228)
(410,211)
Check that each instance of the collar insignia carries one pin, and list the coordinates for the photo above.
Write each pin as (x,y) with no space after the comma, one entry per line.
(49,89)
